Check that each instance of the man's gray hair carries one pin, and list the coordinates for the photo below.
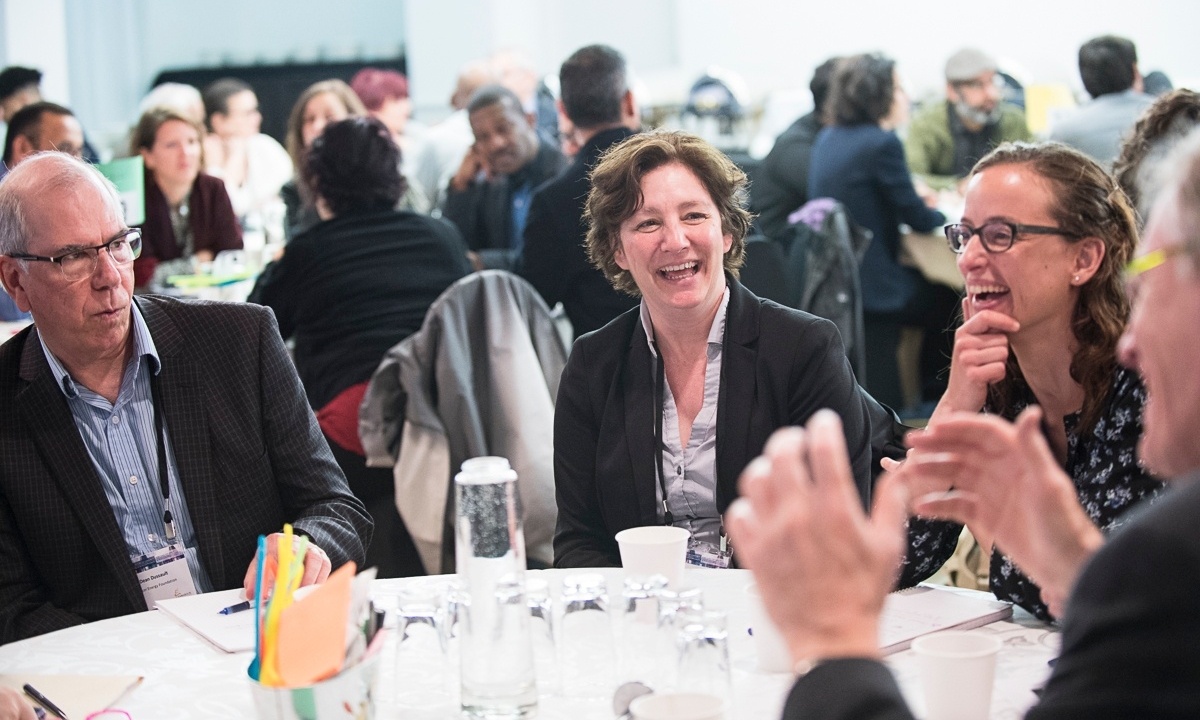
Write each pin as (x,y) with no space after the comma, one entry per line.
(43,173)
(1179,182)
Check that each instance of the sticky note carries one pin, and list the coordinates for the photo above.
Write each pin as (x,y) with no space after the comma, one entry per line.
(312,632)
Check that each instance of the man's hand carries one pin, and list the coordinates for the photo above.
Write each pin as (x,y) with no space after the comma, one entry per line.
(13,706)
(316,565)
(979,359)
(822,566)
(1005,483)
(473,163)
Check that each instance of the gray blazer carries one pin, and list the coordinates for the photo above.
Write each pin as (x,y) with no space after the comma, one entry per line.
(250,457)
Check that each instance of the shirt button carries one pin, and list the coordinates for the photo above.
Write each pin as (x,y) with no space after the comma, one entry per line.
(679,470)
(151,537)
(116,420)
(133,479)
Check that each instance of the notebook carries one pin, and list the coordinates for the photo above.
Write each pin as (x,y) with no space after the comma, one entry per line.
(909,614)
(77,695)
(201,614)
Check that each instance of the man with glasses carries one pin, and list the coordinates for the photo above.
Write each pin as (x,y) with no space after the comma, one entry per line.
(946,139)
(1131,632)
(144,444)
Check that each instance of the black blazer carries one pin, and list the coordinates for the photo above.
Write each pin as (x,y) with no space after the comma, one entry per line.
(779,367)
(554,259)
(1131,634)
(249,452)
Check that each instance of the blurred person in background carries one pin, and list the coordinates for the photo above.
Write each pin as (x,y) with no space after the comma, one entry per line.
(320,104)
(488,198)
(946,139)
(385,95)
(780,186)
(189,218)
(253,165)
(351,287)
(21,86)
(1109,70)
(858,160)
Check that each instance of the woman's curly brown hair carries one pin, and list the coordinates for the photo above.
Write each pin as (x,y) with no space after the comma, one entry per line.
(616,195)
(1164,124)
(1088,203)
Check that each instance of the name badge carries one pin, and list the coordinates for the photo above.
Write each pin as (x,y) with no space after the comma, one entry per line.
(164,575)
(705,554)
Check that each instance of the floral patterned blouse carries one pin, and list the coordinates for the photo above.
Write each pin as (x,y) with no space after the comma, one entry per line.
(1108,477)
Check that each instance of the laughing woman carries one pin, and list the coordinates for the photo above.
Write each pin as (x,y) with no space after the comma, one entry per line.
(659,411)
(1044,238)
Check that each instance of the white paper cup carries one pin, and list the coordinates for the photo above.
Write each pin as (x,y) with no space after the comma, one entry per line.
(678,706)
(957,672)
(654,549)
(769,645)
(347,694)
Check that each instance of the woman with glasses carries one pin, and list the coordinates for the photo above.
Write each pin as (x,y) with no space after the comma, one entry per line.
(351,287)
(189,217)
(1042,244)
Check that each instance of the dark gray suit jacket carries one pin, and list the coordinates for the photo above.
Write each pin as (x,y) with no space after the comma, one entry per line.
(1131,634)
(779,367)
(250,458)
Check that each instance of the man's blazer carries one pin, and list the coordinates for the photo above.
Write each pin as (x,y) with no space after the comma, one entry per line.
(778,367)
(1131,634)
(249,452)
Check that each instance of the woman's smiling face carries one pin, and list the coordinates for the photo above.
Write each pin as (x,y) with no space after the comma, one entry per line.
(673,244)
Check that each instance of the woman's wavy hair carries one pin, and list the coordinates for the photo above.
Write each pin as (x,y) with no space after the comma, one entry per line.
(1088,203)
(1159,130)
(616,195)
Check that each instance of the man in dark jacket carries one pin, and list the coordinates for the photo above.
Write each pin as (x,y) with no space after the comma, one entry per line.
(781,184)
(488,198)
(597,102)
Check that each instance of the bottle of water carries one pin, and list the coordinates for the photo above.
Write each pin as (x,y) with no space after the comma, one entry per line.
(494,630)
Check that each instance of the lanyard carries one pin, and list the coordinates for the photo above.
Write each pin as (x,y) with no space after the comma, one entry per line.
(659,399)
(163,480)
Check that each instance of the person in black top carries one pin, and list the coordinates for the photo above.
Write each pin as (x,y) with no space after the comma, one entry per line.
(780,186)
(597,102)
(350,288)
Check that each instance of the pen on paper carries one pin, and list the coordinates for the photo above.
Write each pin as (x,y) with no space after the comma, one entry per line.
(44,701)
(235,608)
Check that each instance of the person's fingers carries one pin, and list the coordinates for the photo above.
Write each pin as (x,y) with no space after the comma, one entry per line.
(966,309)
(788,478)
(889,510)
(990,321)
(831,463)
(251,573)
(890,465)
(316,566)
(957,505)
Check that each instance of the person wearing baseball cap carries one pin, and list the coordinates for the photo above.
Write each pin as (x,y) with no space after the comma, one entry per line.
(946,139)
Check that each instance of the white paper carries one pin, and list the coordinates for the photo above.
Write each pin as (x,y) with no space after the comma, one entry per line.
(909,614)
(202,615)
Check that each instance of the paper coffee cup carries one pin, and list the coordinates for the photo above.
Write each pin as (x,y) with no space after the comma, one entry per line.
(769,645)
(957,671)
(654,550)
(678,706)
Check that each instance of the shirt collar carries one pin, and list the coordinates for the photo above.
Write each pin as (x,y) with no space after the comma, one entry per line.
(716,333)
(143,346)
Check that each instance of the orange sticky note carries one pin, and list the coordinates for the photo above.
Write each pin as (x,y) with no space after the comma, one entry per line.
(312,632)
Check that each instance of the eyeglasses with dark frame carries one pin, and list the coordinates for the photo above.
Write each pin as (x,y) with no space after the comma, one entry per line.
(123,248)
(997,235)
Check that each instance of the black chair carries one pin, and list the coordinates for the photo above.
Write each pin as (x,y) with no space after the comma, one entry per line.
(765,272)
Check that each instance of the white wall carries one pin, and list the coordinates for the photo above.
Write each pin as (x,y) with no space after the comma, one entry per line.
(115,47)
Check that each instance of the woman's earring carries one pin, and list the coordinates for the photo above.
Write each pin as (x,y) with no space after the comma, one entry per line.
(1075,279)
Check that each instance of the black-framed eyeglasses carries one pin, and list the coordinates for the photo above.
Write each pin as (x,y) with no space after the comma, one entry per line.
(123,248)
(996,236)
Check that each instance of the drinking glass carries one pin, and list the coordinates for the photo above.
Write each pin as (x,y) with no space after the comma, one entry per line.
(643,657)
(703,653)
(585,645)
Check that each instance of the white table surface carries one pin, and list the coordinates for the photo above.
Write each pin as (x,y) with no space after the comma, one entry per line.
(185,677)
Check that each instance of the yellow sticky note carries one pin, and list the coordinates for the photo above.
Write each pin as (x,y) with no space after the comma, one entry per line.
(312,632)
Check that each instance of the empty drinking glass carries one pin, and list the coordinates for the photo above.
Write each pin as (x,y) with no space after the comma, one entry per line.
(585,644)
(703,652)
(425,679)
(643,657)
(541,626)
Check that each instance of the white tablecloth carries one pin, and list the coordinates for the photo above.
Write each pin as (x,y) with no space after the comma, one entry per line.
(187,678)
